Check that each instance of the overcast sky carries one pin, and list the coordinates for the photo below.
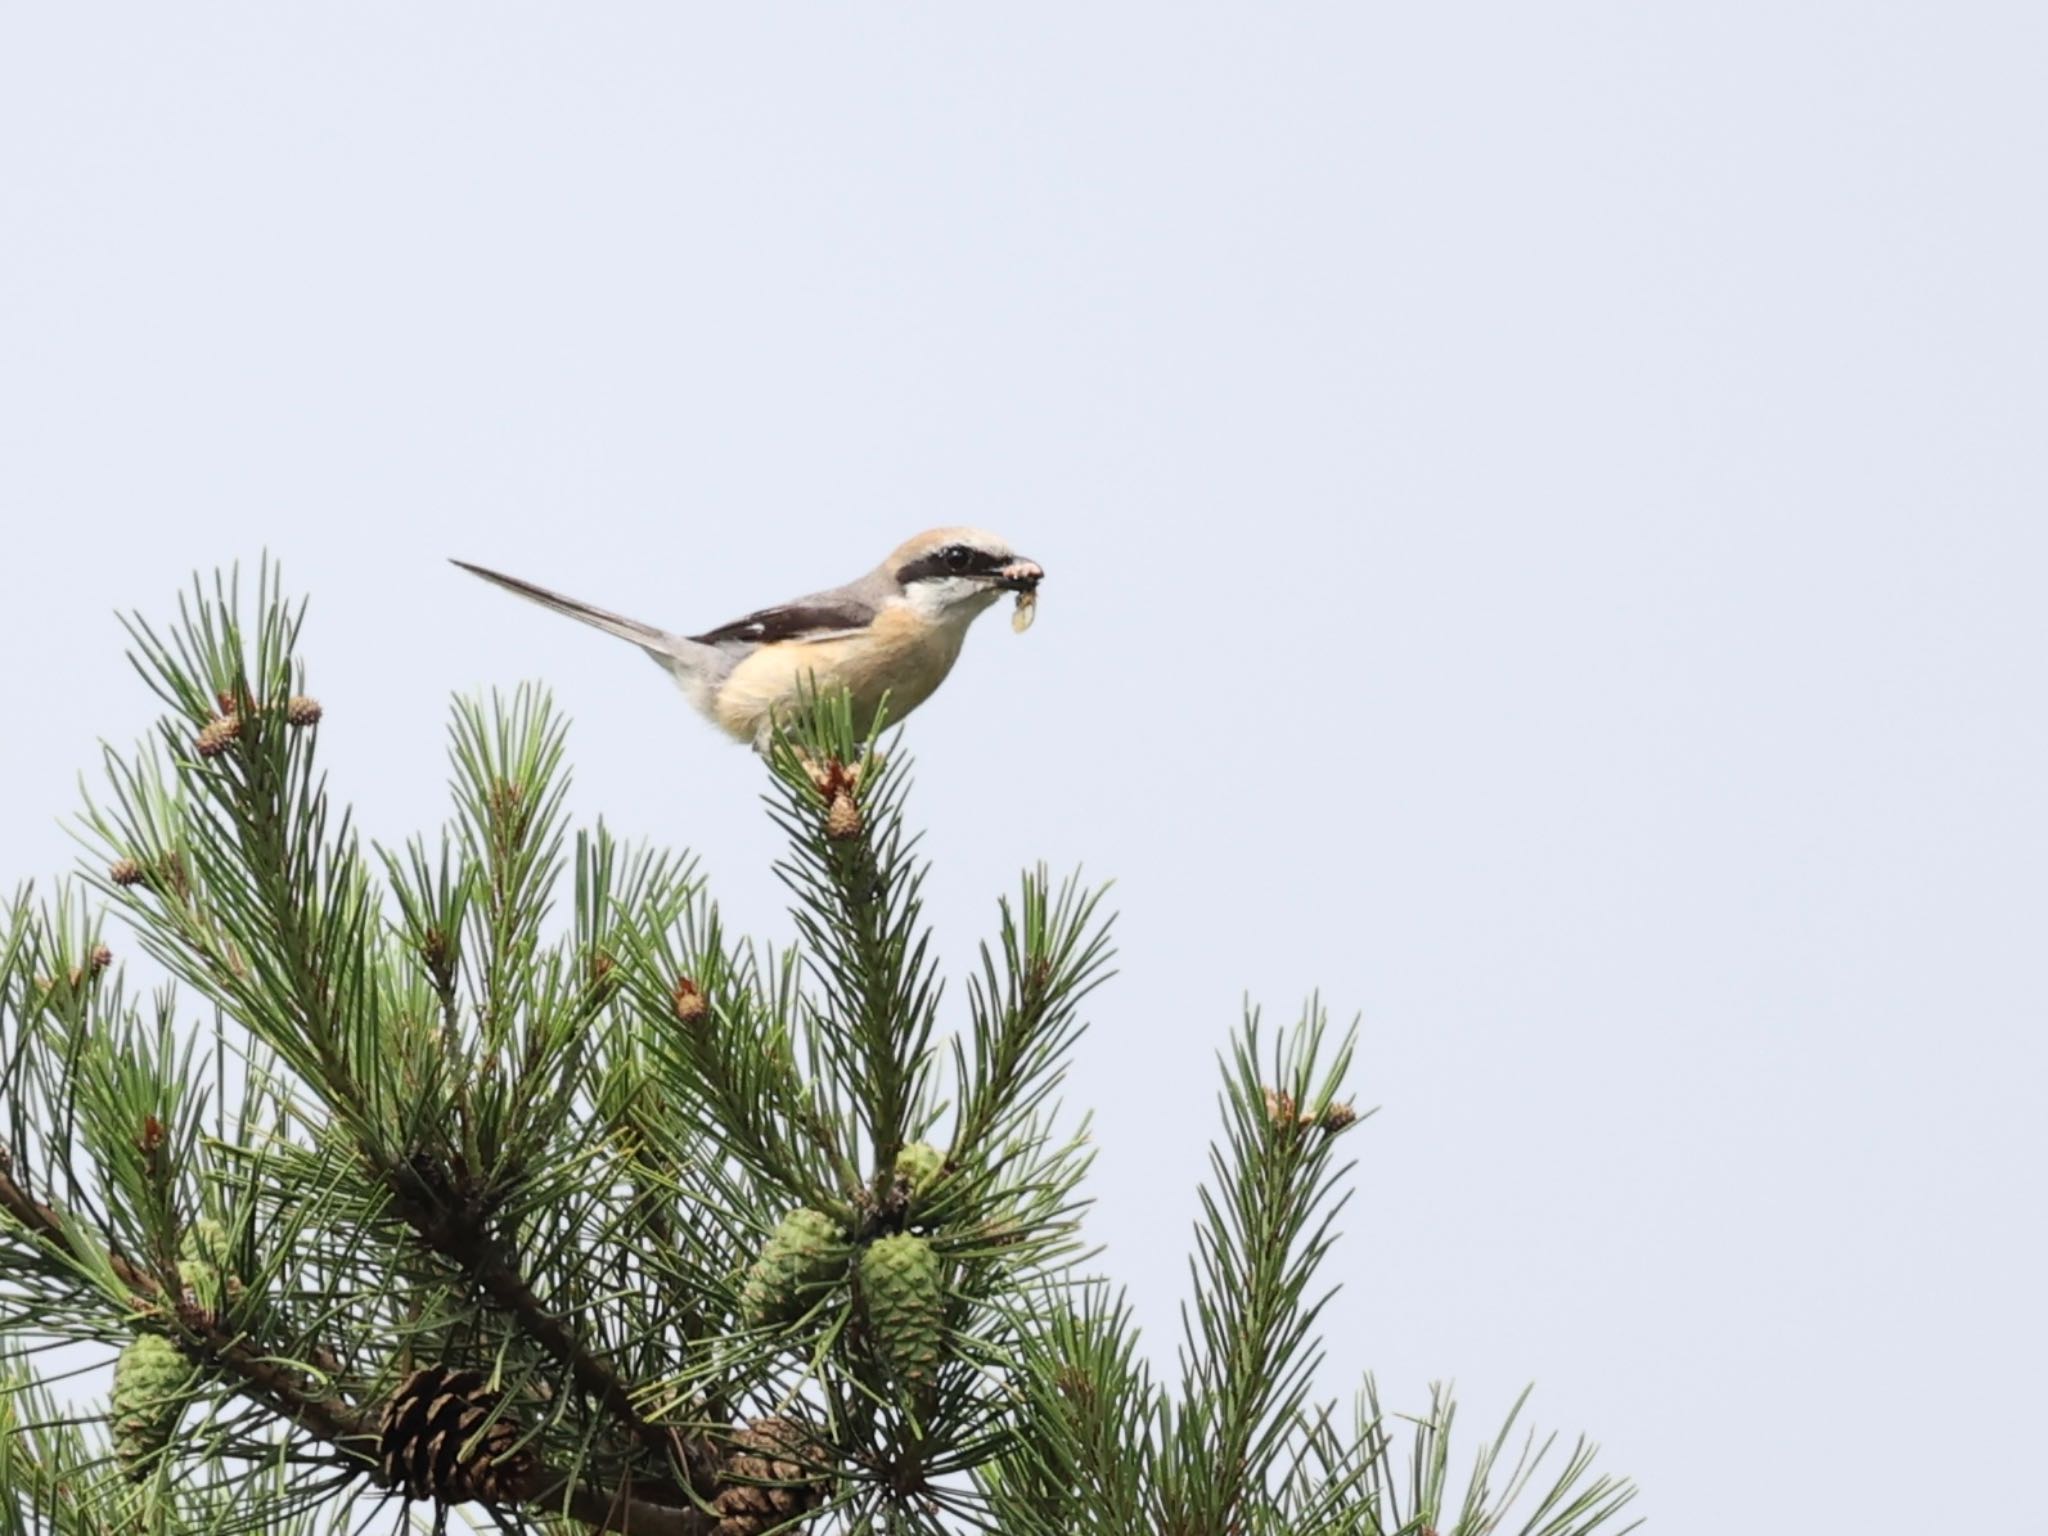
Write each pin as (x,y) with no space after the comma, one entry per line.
(1544,511)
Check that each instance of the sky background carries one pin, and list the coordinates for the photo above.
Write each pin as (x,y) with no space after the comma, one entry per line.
(1546,512)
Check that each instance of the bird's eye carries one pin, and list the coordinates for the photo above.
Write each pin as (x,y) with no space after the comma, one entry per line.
(956,556)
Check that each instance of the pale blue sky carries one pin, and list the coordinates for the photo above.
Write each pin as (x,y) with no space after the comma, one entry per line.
(1544,508)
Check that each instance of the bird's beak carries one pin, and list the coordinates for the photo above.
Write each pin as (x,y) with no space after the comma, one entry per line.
(1020,576)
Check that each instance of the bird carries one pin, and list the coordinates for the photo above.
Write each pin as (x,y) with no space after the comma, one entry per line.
(895,631)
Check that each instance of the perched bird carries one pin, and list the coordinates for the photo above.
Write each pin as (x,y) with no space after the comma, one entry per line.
(897,630)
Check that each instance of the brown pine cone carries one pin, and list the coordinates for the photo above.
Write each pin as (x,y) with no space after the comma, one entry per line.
(774,1474)
(842,821)
(690,1002)
(433,1443)
(218,735)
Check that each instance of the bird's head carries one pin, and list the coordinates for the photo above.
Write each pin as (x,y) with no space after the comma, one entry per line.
(955,573)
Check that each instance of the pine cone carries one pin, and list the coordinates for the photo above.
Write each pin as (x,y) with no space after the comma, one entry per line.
(1282,1111)
(906,1310)
(805,1255)
(827,777)
(1339,1117)
(302,710)
(843,819)
(690,1002)
(434,1443)
(774,1474)
(217,735)
(919,1165)
(152,1380)
(127,872)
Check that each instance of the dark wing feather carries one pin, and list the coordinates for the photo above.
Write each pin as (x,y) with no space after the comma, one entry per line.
(791,623)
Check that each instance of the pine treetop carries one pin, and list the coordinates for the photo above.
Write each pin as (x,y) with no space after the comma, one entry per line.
(491,1171)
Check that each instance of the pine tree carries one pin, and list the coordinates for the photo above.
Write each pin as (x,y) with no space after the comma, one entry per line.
(495,1174)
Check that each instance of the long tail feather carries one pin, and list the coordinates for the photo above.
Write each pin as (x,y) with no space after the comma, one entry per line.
(659,641)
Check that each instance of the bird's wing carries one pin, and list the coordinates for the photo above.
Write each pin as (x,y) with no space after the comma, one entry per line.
(803,622)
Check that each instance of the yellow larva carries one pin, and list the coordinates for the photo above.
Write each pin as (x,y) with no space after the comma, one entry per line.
(1027,610)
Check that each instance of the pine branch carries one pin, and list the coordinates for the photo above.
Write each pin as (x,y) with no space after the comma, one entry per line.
(720,1039)
(621,1511)
(348,1431)
(859,911)
(1250,1354)
(494,1273)
(1077,1458)
(1026,1012)
(199,1331)
(617,1189)
(266,852)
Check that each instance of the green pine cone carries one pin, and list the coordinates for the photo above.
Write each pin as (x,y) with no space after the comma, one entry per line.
(919,1165)
(906,1307)
(803,1257)
(151,1382)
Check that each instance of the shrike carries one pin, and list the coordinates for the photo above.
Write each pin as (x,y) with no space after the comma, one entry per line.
(897,630)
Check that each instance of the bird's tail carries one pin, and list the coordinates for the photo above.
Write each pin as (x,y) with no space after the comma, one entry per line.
(658,643)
